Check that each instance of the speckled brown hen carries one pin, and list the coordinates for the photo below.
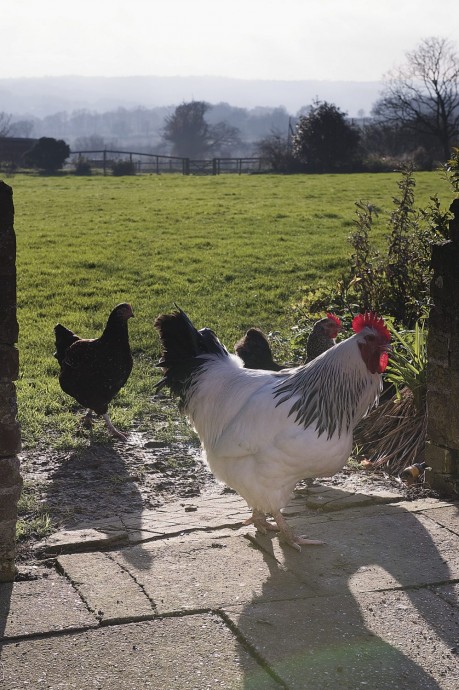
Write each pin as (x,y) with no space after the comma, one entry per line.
(94,370)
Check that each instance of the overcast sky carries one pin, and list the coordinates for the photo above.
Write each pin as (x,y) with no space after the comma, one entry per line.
(262,39)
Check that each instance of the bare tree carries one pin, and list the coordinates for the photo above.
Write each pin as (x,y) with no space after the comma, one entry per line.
(423,94)
(5,121)
(21,128)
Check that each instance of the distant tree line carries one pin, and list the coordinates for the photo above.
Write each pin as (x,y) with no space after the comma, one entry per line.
(143,130)
(415,120)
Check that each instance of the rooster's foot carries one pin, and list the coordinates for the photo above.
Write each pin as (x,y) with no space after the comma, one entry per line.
(261,523)
(290,537)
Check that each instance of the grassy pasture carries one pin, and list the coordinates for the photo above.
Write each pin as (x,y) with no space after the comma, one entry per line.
(232,251)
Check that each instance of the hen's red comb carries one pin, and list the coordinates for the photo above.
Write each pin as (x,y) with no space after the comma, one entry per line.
(371,320)
(334,318)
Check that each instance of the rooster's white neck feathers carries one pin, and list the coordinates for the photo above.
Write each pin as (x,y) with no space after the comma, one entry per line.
(334,391)
(331,394)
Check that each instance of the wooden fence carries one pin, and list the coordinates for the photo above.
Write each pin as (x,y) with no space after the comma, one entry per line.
(107,161)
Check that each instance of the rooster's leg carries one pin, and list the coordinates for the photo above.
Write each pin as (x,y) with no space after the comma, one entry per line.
(113,430)
(289,534)
(261,523)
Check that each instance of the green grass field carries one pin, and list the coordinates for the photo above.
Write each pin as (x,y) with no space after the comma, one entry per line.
(232,251)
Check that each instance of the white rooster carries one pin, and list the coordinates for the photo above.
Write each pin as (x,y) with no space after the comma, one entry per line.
(264,431)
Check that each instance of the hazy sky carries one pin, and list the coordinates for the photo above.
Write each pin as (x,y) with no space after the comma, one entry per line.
(267,39)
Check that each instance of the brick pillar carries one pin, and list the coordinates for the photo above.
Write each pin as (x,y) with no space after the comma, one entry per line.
(442,449)
(10,435)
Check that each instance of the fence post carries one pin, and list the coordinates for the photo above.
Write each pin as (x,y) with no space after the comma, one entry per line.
(10,434)
(186,166)
(105,162)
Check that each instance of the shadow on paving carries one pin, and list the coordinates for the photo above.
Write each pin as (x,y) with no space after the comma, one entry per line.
(92,484)
(346,634)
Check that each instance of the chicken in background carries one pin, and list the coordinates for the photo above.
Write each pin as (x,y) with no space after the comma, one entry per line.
(255,352)
(263,431)
(93,371)
(323,336)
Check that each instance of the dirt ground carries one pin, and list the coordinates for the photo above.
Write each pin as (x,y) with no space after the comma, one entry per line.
(103,480)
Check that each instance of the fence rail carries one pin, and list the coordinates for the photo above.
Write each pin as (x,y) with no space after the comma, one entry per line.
(107,161)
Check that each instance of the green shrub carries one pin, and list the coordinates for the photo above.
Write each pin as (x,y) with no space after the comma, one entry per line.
(83,166)
(395,283)
(120,168)
(47,154)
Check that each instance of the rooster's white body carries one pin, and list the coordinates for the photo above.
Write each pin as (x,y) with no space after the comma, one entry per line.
(264,431)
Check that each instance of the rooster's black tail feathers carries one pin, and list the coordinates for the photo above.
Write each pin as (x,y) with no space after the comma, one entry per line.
(182,344)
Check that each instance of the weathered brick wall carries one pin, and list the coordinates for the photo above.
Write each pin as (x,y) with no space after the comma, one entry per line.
(442,450)
(10,438)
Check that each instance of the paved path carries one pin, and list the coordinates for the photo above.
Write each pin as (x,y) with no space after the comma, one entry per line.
(185,597)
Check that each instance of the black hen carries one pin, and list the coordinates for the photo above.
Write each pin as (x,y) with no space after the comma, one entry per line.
(255,352)
(93,371)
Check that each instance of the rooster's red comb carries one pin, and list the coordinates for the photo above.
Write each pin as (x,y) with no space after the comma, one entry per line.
(371,320)
(334,318)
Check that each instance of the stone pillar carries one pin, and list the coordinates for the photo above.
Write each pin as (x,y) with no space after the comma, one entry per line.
(442,449)
(10,436)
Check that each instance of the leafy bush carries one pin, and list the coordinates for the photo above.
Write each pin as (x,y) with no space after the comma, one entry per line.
(408,362)
(451,169)
(48,154)
(120,168)
(83,166)
(276,149)
(397,283)
(324,141)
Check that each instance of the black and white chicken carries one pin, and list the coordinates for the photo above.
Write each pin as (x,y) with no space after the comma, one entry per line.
(263,431)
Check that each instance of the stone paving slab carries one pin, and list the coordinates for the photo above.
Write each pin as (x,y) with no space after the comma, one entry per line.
(450,593)
(383,640)
(202,571)
(370,549)
(41,606)
(214,512)
(190,653)
(446,516)
(335,499)
(87,537)
(108,590)
(184,517)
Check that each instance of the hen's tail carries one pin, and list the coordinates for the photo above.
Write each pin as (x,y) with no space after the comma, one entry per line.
(182,349)
(64,338)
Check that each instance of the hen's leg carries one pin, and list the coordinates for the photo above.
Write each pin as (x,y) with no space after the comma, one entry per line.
(113,430)
(289,534)
(87,419)
(261,523)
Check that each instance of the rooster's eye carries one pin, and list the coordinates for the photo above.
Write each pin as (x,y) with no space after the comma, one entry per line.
(370,338)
